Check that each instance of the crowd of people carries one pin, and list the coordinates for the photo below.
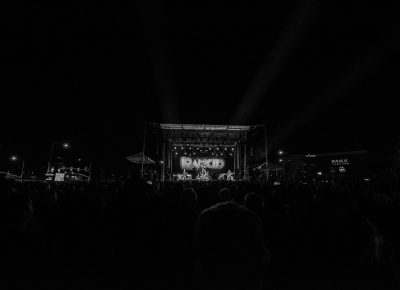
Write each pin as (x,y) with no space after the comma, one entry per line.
(339,234)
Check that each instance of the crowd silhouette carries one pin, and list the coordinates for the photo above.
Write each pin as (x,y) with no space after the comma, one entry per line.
(340,234)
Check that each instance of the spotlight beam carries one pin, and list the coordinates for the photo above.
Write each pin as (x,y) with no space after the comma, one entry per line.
(330,96)
(275,61)
(151,17)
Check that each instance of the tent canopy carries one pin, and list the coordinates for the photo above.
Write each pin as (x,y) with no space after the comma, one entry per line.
(140,158)
(271,166)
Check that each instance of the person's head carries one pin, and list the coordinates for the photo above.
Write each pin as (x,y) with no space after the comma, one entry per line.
(239,195)
(224,195)
(253,202)
(230,251)
(18,210)
(188,199)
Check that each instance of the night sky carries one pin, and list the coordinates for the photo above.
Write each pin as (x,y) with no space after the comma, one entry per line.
(322,76)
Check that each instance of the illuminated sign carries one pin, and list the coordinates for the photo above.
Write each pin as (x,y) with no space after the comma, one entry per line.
(340,162)
(59,177)
(49,176)
(188,163)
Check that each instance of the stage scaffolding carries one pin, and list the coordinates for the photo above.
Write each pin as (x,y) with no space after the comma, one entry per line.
(168,136)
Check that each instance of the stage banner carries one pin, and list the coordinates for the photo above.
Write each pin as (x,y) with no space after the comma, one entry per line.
(189,163)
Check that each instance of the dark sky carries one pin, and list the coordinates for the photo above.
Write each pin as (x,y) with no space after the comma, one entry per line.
(322,76)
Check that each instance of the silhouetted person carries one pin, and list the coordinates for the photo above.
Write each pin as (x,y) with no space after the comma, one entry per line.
(230,251)
(224,195)
(188,199)
(239,194)
(254,202)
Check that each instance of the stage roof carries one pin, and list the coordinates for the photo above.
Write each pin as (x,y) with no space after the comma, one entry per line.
(195,127)
(204,135)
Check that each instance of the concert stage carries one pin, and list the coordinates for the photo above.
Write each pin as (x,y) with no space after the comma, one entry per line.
(204,152)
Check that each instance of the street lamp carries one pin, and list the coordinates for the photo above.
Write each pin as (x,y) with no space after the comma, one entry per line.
(64,145)
(15,158)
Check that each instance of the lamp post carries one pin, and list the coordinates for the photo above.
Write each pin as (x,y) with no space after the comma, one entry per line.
(65,145)
(15,158)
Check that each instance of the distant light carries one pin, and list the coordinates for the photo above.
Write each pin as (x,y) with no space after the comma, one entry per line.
(175,147)
(181,147)
(366,179)
(319,173)
(280,152)
(217,148)
(226,148)
(13,158)
(184,153)
(233,149)
(280,160)
(66,145)
(79,159)
(176,153)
